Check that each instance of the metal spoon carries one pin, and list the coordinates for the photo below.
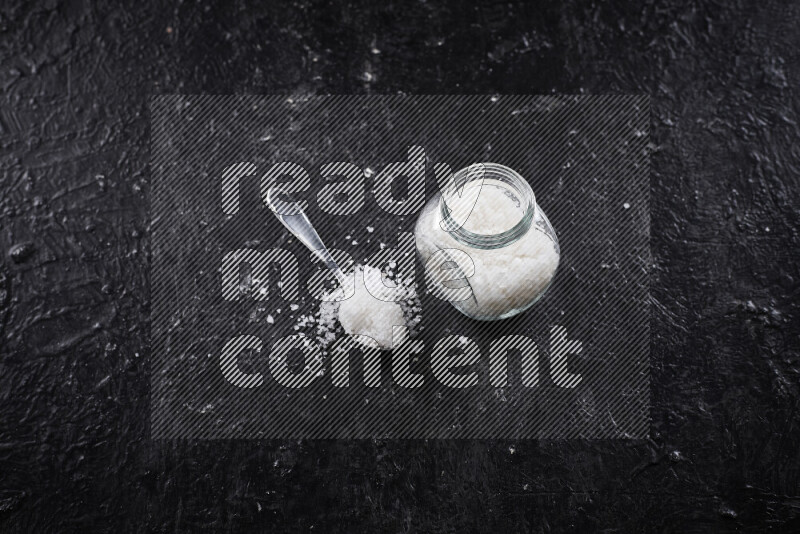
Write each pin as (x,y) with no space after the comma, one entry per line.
(294,219)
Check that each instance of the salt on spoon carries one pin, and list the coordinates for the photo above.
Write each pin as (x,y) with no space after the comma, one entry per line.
(367,315)
(362,314)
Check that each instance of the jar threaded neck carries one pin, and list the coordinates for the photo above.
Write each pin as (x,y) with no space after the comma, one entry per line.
(500,174)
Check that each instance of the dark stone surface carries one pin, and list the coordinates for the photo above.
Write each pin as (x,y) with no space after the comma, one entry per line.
(74,448)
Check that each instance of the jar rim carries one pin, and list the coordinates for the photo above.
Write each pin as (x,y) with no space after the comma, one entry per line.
(502,173)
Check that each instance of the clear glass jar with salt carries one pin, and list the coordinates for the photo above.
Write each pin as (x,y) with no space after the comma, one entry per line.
(486,245)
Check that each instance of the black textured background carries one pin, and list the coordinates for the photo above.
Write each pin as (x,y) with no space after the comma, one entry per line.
(723,453)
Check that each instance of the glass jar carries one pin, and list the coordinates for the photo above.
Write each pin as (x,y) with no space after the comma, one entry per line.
(486,246)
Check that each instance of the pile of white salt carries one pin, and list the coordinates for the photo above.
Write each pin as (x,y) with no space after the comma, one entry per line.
(372,312)
(378,305)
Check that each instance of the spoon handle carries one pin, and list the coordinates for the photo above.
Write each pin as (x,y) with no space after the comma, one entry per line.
(296,221)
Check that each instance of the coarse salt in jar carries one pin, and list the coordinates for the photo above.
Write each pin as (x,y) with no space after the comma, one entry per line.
(486,244)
